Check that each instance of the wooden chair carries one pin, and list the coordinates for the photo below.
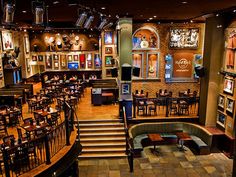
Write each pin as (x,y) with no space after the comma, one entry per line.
(3,126)
(140,106)
(28,120)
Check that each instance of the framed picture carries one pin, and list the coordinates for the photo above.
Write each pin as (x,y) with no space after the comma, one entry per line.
(40,57)
(184,38)
(55,57)
(229,85)
(7,40)
(221,101)
(108,37)
(137,64)
(125,89)
(34,57)
(108,72)
(76,57)
(97,61)
(69,58)
(108,50)
(152,65)
(230,105)
(108,60)
(63,61)
(48,61)
(221,118)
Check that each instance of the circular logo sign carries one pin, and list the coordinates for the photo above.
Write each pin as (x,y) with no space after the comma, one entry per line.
(183,63)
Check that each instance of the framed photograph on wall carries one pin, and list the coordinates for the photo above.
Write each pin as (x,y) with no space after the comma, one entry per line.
(76,58)
(40,57)
(221,118)
(152,65)
(125,89)
(108,60)
(108,37)
(230,105)
(229,85)
(108,50)
(48,61)
(182,38)
(55,57)
(97,61)
(108,73)
(34,57)
(7,40)
(63,61)
(137,64)
(69,58)
(221,101)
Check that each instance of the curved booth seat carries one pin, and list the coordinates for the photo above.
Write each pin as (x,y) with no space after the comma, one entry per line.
(201,138)
(60,162)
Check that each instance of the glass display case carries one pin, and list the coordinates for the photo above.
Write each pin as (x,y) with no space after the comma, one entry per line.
(138,64)
(152,65)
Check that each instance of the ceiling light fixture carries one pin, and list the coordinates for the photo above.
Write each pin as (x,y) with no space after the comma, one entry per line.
(8,12)
(184,2)
(56,2)
(80,21)
(234,11)
(88,22)
(154,16)
(103,8)
(24,11)
(217,15)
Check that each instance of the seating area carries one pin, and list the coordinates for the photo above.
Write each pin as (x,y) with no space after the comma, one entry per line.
(201,139)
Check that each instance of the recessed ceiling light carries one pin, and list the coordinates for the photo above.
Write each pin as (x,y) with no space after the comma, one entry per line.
(217,15)
(234,10)
(103,8)
(141,15)
(24,11)
(56,2)
(154,16)
(191,21)
(49,20)
(150,18)
(184,2)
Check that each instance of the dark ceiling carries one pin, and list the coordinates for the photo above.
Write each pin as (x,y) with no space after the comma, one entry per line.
(60,10)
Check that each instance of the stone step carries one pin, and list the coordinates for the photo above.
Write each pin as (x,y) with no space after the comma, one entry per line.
(103,149)
(103,139)
(103,144)
(95,129)
(100,121)
(101,124)
(103,155)
(101,134)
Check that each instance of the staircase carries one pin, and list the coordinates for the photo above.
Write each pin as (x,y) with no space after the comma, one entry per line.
(102,138)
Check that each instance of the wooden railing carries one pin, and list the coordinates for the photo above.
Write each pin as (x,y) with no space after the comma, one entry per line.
(129,145)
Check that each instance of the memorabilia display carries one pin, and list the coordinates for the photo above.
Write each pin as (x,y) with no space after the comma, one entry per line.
(40,57)
(108,73)
(145,38)
(82,61)
(89,60)
(138,63)
(221,101)
(108,37)
(108,50)
(230,105)
(63,61)
(73,65)
(34,57)
(184,38)
(48,61)
(231,40)
(108,60)
(7,40)
(125,89)
(229,85)
(76,57)
(97,61)
(221,118)
(152,65)
(69,58)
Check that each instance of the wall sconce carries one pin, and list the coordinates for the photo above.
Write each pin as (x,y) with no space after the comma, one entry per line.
(38,11)
(8,12)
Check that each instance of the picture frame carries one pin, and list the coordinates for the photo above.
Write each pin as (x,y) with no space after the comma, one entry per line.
(97,61)
(108,61)
(108,50)
(69,58)
(152,67)
(55,57)
(108,73)
(108,37)
(48,61)
(221,101)
(76,58)
(229,85)
(190,34)
(221,119)
(40,57)
(63,62)
(125,89)
(230,105)
(7,41)
(34,58)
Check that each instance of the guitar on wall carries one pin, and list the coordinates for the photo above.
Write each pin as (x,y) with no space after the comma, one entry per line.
(151,68)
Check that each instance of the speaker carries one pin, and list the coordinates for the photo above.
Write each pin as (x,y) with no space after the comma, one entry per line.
(114,72)
(200,71)
(126,73)
(136,71)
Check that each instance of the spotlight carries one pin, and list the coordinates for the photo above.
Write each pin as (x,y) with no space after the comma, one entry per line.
(9,9)
(102,23)
(80,21)
(38,11)
(88,22)
(108,26)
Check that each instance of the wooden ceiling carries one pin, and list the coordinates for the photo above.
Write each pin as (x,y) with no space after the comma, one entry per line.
(65,11)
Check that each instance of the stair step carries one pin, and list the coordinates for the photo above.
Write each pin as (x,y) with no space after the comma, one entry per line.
(102,129)
(100,120)
(101,134)
(102,144)
(102,149)
(101,139)
(104,155)
(101,124)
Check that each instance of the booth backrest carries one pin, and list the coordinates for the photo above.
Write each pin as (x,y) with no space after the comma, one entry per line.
(171,127)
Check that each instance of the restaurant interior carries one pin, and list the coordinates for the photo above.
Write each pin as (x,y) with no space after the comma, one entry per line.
(92,88)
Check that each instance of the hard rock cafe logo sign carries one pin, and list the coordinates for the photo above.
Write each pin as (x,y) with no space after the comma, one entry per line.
(183,63)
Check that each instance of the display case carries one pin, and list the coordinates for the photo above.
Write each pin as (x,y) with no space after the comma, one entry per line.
(152,65)
(137,64)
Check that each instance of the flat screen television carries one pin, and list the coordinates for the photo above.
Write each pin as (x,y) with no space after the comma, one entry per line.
(73,65)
